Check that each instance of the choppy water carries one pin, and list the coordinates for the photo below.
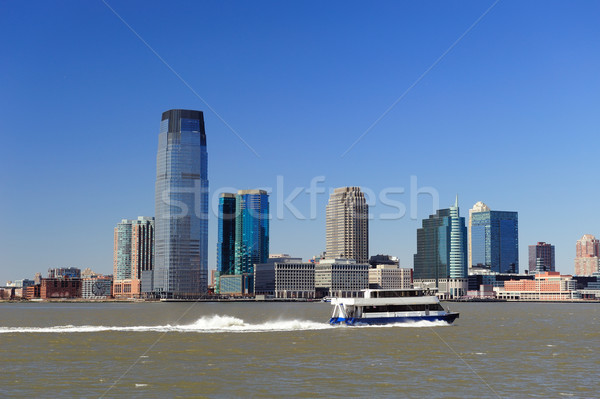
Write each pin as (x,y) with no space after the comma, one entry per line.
(148,350)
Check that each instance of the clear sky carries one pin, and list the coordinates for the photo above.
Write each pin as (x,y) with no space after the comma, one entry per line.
(510,116)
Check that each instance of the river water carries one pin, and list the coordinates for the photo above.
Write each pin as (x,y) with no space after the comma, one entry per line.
(223,350)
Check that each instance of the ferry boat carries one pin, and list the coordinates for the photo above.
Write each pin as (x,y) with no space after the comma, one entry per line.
(390,307)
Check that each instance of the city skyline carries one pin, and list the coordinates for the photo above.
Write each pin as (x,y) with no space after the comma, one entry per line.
(516,96)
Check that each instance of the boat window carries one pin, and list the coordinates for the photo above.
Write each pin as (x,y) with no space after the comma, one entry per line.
(402,308)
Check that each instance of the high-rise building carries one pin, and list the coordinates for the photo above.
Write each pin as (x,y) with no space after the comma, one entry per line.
(122,251)
(251,230)
(181,206)
(587,252)
(226,240)
(133,255)
(493,239)
(442,246)
(348,225)
(541,258)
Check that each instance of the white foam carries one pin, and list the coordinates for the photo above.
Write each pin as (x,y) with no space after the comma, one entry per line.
(208,324)
(212,324)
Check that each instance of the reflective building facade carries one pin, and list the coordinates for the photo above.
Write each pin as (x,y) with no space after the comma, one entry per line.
(226,240)
(181,206)
(493,239)
(442,246)
(251,230)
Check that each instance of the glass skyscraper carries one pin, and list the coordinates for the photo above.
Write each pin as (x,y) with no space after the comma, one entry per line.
(251,230)
(442,246)
(226,243)
(493,239)
(181,206)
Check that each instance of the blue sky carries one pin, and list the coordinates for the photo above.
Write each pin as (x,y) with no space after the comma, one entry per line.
(508,116)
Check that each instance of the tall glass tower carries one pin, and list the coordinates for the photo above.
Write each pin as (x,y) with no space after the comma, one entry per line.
(493,239)
(442,246)
(251,230)
(226,244)
(181,206)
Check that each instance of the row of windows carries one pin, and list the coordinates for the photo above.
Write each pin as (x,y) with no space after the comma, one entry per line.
(402,308)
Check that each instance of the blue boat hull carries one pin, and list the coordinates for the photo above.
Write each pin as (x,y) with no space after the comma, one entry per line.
(448,318)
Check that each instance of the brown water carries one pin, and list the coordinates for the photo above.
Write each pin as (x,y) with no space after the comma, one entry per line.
(148,350)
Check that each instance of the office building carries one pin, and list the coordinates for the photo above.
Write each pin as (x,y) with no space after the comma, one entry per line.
(341,278)
(587,251)
(347,232)
(390,277)
(493,239)
(62,287)
(243,239)
(96,287)
(226,240)
(541,258)
(547,286)
(251,230)
(181,207)
(285,277)
(442,246)
(133,256)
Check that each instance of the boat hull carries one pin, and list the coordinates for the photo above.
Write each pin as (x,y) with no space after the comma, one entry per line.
(448,318)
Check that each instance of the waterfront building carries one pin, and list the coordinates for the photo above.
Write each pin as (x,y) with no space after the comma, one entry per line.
(133,256)
(96,287)
(347,234)
(243,238)
(237,285)
(590,287)
(442,246)
(485,277)
(493,239)
(541,258)
(226,239)
(341,278)
(547,286)
(63,288)
(587,251)
(181,207)
(33,291)
(251,230)
(390,277)
(285,277)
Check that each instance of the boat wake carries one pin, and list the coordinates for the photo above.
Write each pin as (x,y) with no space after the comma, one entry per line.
(211,324)
(207,324)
